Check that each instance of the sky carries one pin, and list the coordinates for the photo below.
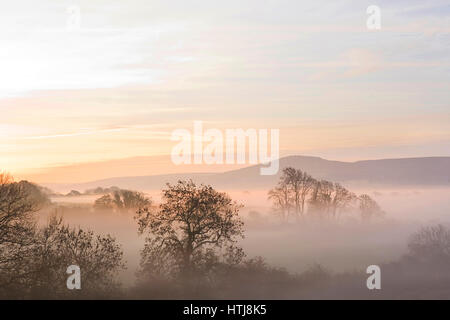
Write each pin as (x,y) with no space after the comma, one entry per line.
(133,71)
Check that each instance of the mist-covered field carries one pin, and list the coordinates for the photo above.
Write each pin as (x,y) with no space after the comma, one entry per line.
(345,245)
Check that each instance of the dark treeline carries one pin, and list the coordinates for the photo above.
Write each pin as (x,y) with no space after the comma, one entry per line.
(75,193)
(34,260)
(192,249)
(122,201)
(298,196)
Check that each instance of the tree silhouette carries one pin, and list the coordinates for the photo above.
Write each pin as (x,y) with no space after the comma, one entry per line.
(33,261)
(282,200)
(431,242)
(194,228)
(369,208)
(341,199)
(122,200)
(324,199)
(16,221)
(300,185)
(40,271)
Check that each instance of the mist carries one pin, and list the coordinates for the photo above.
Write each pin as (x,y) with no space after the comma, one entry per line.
(343,246)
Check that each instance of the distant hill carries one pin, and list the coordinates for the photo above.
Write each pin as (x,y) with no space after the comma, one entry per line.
(430,171)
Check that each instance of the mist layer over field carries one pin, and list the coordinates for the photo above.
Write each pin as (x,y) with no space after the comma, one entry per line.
(344,245)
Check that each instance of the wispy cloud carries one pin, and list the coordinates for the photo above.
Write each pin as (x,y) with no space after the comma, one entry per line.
(72,134)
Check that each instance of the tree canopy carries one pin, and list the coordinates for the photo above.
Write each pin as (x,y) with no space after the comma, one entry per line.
(194,228)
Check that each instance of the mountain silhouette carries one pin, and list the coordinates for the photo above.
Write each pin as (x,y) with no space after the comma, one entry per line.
(429,171)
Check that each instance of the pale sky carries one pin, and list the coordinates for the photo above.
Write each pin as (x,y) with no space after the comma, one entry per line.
(138,69)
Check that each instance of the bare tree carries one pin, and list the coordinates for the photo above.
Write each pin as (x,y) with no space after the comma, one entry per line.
(342,199)
(431,242)
(300,185)
(326,199)
(282,200)
(291,192)
(321,198)
(369,208)
(188,231)
(292,179)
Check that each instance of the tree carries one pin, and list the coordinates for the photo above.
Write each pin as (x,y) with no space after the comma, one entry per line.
(291,192)
(40,272)
(291,178)
(33,261)
(194,227)
(328,198)
(104,203)
(369,208)
(74,193)
(321,198)
(122,200)
(59,246)
(100,190)
(16,208)
(300,185)
(130,199)
(281,198)
(342,198)
(36,194)
(431,242)
(17,227)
